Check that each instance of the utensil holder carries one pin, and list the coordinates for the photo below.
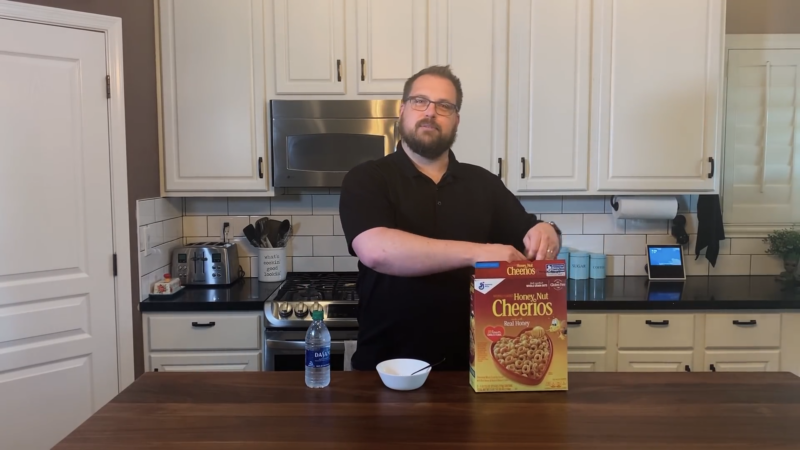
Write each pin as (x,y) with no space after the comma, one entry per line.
(272,264)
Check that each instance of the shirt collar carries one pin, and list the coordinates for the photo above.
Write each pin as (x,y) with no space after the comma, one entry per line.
(408,167)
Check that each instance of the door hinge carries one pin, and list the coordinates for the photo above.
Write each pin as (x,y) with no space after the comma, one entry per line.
(108,86)
(114,263)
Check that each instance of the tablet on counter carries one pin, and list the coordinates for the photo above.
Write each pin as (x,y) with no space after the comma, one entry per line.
(665,263)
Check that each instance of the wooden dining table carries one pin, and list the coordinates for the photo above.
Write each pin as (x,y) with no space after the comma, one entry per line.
(263,410)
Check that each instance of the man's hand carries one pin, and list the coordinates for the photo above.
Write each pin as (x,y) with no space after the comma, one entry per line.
(541,242)
(497,252)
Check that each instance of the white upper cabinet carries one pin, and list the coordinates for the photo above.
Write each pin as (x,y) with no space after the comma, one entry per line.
(392,43)
(549,71)
(213,80)
(657,93)
(762,181)
(309,46)
(472,39)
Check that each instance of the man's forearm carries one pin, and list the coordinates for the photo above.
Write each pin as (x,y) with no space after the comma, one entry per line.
(399,253)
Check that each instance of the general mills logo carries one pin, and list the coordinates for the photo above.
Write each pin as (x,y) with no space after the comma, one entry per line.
(481,286)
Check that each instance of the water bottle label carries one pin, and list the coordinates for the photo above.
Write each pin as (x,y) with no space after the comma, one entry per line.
(320,357)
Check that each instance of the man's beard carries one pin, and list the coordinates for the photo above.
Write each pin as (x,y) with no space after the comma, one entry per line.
(430,148)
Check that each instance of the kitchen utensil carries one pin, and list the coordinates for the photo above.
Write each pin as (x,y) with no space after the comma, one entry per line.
(272,231)
(261,226)
(429,365)
(284,235)
(252,235)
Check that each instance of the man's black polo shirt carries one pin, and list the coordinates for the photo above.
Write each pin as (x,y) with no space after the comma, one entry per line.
(425,317)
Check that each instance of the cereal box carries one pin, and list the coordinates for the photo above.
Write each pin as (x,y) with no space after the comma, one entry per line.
(518,320)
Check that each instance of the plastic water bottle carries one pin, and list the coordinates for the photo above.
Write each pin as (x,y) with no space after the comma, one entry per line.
(318,353)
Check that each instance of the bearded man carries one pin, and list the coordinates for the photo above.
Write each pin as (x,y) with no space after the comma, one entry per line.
(419,220)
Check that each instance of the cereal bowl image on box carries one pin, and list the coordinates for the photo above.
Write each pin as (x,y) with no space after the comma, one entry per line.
(396,373)
(518,336)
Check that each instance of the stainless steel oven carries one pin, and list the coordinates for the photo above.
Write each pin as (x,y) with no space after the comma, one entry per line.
(284,350)
(316,142)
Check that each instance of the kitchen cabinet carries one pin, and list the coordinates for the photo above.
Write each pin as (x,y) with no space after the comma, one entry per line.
(549,72)
(655,361)
(203,341)
(742,361)
(213,98)
(309,46)
(587,361)
(605,97)
(588,343)
(742,342)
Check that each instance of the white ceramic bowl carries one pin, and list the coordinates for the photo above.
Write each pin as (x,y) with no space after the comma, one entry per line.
(395,373)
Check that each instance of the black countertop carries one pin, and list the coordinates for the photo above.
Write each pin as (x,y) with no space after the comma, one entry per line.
(610,294)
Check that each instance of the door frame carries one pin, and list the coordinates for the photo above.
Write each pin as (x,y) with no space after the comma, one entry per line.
(111,27)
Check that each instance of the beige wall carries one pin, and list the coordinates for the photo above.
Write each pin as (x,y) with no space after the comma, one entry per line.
(763,16)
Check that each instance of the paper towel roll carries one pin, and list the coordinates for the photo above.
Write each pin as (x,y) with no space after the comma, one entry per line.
(645,207)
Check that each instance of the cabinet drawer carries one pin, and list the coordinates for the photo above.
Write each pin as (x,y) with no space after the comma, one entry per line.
(204,332)
(743,330)
(742,361)
(656,331)
(206,362)
(586,330)
(658,361)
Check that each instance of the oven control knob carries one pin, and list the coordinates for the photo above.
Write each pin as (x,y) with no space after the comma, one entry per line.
(316,307)
(284,310)
(300,310)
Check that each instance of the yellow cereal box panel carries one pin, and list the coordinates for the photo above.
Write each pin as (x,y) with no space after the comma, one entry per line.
(518,335)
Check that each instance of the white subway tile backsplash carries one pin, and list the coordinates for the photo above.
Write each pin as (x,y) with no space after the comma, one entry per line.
(325,204)
(766,265)
(345,264)
(206,206)
(615,266)
(300,246)
(634,265)
(244,247)
(330,246)
(746,246)
(168,208)
(247,266)
(698,267)
(195,239)
(541,205)
(195,225)
(591,204)
(684,203)
(148,280)
(236,223)
(724,246)
(661,239)
(254,267)
(568,223)
(630,244)
(146,211)
(249,206)
(159,257)
(646,226)
(173,229)
(730,265)
(154,234)
(312,225)
(292,205)
(602,224)
(312,264)
(337,226)
(592,243)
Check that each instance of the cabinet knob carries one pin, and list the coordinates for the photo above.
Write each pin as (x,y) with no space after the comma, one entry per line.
(203,325)
(339,70)
(711,160)
(687,368)
(712,368)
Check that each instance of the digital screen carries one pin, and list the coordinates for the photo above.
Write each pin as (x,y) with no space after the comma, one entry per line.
(182,258)
(665,256)
(668,296)
(216,257)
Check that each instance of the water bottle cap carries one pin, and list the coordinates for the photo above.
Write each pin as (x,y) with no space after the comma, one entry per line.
(317,315)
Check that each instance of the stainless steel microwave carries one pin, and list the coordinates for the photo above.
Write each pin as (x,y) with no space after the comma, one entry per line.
(316,142)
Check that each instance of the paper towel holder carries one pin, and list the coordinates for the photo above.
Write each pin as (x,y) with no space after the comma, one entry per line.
(614,204)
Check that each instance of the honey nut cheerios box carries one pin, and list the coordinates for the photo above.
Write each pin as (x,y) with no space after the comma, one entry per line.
(518,320)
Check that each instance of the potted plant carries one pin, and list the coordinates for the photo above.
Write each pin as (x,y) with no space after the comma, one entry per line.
(786,244)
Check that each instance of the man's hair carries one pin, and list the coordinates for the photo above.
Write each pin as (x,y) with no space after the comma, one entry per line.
(438,71)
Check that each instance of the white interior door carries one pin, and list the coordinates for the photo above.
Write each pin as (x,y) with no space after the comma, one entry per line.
(58,356)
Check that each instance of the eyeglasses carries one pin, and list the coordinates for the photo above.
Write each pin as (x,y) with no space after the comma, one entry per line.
(442,108)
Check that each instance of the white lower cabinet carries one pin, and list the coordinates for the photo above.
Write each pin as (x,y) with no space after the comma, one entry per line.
(587,337)
(655,361)
(206,362)
(587,360)
(742,360)
(203,341)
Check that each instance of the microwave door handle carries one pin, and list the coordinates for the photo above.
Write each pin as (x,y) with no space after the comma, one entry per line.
(336,346)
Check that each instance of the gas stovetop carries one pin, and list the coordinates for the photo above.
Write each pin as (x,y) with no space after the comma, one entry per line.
(334,293)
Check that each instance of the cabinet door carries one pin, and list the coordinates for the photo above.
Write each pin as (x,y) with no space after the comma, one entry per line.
(549,80)
(762,181)
(658,93)
(392,43)
(654,361)
(206,362)
(587,360)
(309,46)
(742,360)
(471,36)
(213,95)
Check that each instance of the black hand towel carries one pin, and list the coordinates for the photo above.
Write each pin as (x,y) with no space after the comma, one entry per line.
(709,229)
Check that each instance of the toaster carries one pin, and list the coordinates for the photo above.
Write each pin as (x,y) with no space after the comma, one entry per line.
(206,263)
